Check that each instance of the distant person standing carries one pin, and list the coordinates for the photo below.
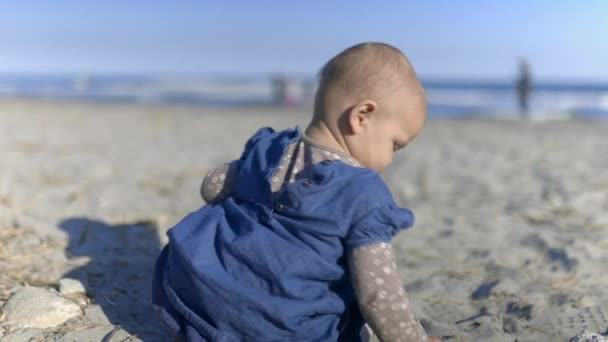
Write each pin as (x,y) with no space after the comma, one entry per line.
(308,92)
(279,90)
(524,85)
(284,92)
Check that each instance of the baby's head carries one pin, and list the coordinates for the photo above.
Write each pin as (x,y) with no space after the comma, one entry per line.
(369,103)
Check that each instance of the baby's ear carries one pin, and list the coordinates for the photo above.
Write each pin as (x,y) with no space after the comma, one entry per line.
(360,114)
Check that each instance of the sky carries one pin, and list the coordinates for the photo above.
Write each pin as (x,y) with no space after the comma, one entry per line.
(467,39)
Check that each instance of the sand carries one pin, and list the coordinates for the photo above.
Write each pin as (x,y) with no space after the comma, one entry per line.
(510,240)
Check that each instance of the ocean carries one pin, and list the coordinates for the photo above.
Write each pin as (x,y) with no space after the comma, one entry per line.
(446,98)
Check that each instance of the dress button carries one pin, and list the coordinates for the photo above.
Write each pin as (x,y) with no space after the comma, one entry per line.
(279,207)
(307,183)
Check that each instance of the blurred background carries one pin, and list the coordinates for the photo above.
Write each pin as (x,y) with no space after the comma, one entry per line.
(544,58)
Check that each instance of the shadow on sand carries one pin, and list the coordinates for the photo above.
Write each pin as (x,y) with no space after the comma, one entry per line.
(118,276)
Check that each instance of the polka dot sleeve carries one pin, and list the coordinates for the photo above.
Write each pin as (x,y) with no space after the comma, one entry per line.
(218,183)
(382,300)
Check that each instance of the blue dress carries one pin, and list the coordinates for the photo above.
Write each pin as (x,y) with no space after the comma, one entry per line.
(260,266)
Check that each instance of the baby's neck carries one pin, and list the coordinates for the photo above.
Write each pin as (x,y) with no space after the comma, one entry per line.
(321,135)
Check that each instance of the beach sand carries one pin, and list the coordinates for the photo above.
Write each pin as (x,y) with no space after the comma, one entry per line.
(510,241)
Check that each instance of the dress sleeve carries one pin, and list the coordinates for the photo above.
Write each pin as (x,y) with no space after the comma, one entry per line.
(218,183)
(378,225)
(382,300)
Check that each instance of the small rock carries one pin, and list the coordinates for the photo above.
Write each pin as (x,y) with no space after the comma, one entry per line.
(587,336)
(71,288)
(34,307)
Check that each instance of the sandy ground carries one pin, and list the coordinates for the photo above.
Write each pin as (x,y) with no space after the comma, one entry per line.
(510,242)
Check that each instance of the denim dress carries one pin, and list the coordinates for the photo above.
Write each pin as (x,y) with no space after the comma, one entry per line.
(264,266)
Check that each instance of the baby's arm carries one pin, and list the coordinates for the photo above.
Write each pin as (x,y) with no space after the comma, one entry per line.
(218,183)
(382,299)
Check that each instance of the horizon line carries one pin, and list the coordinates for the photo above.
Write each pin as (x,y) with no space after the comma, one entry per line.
(452,78)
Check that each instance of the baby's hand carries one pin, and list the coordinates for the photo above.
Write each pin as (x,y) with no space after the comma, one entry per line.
(434,339)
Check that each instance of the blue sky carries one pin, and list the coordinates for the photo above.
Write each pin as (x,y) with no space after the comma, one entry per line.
(454,39)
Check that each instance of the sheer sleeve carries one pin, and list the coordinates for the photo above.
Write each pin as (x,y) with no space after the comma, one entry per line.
(218,183)
(382,300)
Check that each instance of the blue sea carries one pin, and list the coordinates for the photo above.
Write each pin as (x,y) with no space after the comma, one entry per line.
(446,98)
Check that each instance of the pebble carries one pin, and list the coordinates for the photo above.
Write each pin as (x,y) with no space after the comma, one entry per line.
(70,288)
(34,307)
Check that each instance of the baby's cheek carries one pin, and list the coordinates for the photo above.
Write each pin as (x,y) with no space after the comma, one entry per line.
(387,155)
(388,159)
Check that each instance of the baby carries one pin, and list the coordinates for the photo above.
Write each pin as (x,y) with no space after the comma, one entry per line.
(295,242)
